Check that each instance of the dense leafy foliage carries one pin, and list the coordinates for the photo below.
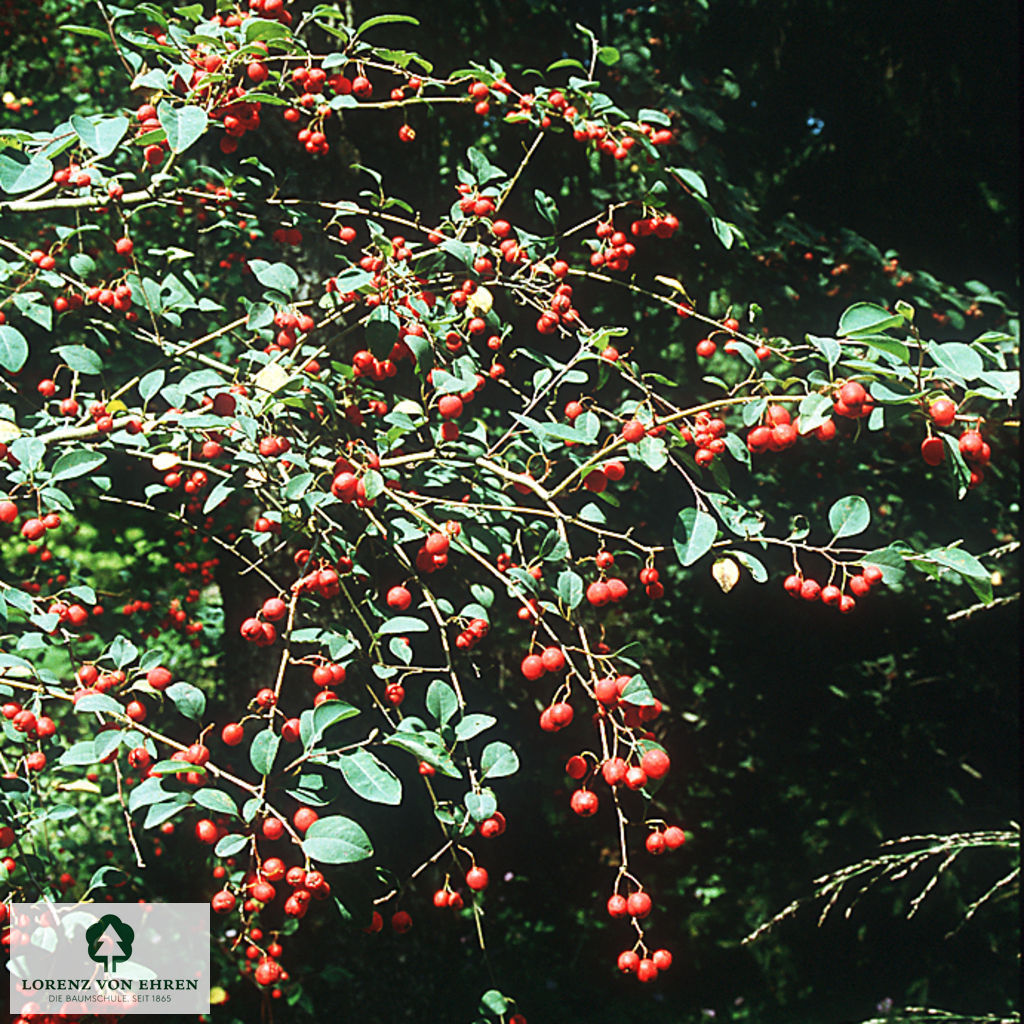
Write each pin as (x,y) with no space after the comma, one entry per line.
(362,412)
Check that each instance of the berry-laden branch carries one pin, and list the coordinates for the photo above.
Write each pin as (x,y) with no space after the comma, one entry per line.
(405,475)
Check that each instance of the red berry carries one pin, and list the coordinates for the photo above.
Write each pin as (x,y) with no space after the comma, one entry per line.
(628,962)
(532,667)
(617,906)
(638,904)
(674,837)
(933,451)
(232,734)
(398,598)
(303,818)
(584,803)
(476,879)
(942,412)
(633,430)
(655,763)
(553,659)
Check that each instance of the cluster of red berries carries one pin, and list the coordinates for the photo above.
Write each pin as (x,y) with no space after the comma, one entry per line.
(645,968)
(651,580)
(852,401)
(289,325)
(614,251)
(781,431)
(659,225)
(708,434)
(468,638)
(472,203)
(152,152)
(560,311)
(807,589)
(31,529)
(348,487)
(43,260)
(193,484)
(601,592)
(551,659)
(973,447)
(328,673)
(34,726)
(287,236)
(72,176)
(707,347)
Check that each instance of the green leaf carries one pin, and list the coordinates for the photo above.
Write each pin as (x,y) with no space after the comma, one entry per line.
(13,348)
(403,624)
(98,702)
(264,750)
(86,30)
(218,495)
(261,28)
(80,358)
(814,410)
(492,1001)
(442,701)
(336,840)
(229,845)
(481,805)
(82,264)
(18,173)
(82,752)
(473,725)
(313,724)
(828,347)
(570,588)
(370,778)
(957,357)
(967,566)
(188,699)
(159,813)
(892,563)
(183,125)
(151,384)
(297,486)
(867,318)
(546,206)
(100,875)
(385,19)
(101,135)
(498,760)
(382,331)
(653,451)
(849,516)
(637,692)
(753,565)
(278,276)
(694,533)
(427,746)
(692,179)
(76,463)
(608,55)
(215,800)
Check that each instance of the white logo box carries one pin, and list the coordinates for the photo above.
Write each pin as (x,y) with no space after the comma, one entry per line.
(122,958)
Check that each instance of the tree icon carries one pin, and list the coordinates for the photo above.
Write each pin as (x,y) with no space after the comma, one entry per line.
(110,941)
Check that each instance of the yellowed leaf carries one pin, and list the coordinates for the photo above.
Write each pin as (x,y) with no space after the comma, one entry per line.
(726,573)
(163,461)
(271,378)
(480,302)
